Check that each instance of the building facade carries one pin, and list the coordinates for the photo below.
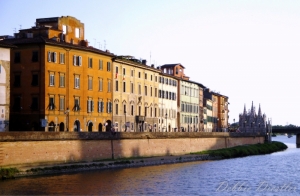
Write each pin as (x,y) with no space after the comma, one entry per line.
(135,96)
(167,97)
(4,85)
(59,83)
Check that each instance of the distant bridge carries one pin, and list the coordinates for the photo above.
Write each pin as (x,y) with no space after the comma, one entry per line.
(286,130)
(292,130)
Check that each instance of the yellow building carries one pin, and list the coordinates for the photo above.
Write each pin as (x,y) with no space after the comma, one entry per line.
(58,82)
(135,95)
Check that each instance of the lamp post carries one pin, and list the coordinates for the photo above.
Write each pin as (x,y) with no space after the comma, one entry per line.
(67,118)
(125,120)
(166,122)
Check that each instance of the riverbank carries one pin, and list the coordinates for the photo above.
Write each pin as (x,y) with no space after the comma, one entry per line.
(239,151)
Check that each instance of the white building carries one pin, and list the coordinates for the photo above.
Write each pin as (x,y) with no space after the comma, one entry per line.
(4,86)
(167,98)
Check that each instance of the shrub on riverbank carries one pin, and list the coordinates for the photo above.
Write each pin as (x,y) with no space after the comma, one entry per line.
(246,150)
(8,172)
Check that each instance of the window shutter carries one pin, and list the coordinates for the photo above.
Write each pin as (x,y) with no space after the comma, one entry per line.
(92,105)
(80,60)
(49,56)
(102,106)
(88,105)
(54,57)
(74,60)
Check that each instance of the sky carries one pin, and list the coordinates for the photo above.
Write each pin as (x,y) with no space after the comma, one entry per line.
(245,50)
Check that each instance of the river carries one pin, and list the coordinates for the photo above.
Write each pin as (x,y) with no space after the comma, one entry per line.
(272,174)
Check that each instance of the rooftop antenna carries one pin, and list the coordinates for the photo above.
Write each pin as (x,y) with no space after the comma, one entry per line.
(94,43)
(104,47)
(99,44)
(14,30)
(150,57)
(20,27)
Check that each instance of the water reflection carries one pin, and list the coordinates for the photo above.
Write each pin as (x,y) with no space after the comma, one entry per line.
(195,178)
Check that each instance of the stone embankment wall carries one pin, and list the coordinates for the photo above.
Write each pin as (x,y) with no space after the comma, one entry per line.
(41,148)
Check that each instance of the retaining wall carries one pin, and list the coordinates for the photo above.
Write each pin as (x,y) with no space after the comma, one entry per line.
(40,148)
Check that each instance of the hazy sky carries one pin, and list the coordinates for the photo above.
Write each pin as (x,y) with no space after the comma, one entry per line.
(246,50)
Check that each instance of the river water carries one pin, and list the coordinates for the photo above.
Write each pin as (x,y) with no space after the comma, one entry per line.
(273,174)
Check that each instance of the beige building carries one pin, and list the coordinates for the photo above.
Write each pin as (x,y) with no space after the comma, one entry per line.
(135,95)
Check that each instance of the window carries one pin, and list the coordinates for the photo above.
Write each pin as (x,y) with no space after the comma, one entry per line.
(34,103)
(124,87)
(146,90)
(146,108)
(151,77)
(35,56)
(108,86)
(155,92)
(117,85)
(100,84)
(140,89)
(145,76)
(17,103)
(77,82)
(51,56)
(51,105)
(131,73)
(131,111)
(76,104)
(17,58)
(108,66)
(52,79)
(61,58)
(90,63)
(90,83)
(139,75)
(35,79)
(151,91)
(131,87)
(90,105)
(155,112)
(62,103)
(100,106)
(61,80)
(117,109)
(139,110)
(124,72)
(77,60)
(100,65)
(77,32)
(17,81)
(155,78)
(64,27)
(109,107)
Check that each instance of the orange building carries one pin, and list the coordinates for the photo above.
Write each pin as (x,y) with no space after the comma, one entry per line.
(58,82)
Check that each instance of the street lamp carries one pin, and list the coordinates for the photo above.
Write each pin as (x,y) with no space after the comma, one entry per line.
(67,118)
(166,122)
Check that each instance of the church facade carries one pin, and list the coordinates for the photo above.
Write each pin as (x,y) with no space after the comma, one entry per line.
(253,122)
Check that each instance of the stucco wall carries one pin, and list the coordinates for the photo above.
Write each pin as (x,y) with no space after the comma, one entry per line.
(33,149)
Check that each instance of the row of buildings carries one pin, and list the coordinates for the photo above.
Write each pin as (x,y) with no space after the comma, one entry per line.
(52,80)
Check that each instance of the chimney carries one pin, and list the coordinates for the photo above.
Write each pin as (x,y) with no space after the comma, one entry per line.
(144,62)
(152,65)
